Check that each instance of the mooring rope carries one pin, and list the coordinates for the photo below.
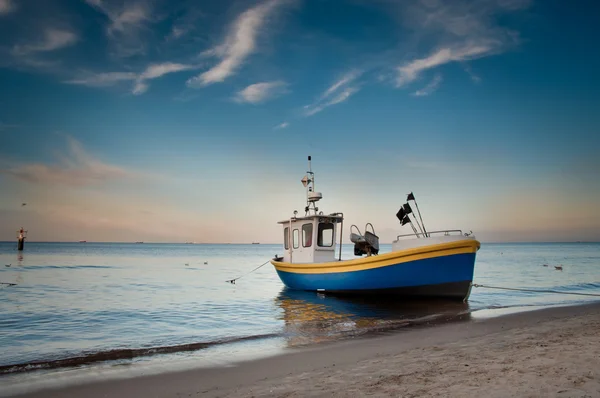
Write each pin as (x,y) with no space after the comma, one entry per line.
(535,290)
(232,281)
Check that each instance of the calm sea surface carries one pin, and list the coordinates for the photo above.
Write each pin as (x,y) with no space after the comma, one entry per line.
(89,302)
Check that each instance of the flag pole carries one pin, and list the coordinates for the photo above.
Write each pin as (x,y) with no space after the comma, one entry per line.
(414,229)
(418,211)
(419,225)
(403,222)
(415,217)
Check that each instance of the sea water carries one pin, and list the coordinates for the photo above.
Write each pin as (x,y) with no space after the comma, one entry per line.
(89,304)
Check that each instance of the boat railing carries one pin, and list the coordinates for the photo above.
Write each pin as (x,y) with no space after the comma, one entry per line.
(446,232)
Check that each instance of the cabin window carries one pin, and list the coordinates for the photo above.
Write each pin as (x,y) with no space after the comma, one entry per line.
(325,236)
(286,238)
(296,238)
(307,230)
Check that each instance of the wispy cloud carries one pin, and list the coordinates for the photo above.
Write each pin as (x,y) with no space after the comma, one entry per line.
(430,88)
(155,71)
(53,39)
(461,30)
(177,32)
(240,42)
(410,71)
(103,79)
(261,92)
(281,126)
(185,24)
(338,92)
(126,24)
(141,80)
(7,6)
(75,168)
(346,79)
(474,77)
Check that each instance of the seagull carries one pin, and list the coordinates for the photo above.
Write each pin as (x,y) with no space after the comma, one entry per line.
(7,265)
(206,262)
(23,204)
(545,265)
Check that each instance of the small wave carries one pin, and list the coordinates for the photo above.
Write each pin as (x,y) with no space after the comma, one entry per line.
(123,353)
(580,286)
(36,267)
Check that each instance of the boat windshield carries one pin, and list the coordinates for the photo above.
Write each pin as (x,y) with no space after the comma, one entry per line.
(325,234)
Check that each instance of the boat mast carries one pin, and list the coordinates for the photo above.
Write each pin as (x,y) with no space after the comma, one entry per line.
(311,196)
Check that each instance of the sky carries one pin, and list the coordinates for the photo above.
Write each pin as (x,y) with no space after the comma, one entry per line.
(175,121)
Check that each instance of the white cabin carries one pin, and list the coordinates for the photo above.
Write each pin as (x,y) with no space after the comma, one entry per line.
(310,239)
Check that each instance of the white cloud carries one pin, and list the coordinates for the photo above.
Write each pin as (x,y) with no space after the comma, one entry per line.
(347,78)
(126,24)
(338,92)
(7,6)
(240,42)
(157,70)
(54,39)
(281,126)
(141,85)
(103,79)
(76,168)
(462,30)
(177,32)
(430,88)
(260,92)
(154,72)
(474,77)
(410,71)
(185,24)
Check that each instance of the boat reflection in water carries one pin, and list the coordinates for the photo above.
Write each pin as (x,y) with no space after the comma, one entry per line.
(311,318)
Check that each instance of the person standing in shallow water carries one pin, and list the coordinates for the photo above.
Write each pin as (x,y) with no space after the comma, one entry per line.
(21,239)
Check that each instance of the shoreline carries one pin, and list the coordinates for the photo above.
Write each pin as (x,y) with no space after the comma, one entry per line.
(348,367)
(119,356)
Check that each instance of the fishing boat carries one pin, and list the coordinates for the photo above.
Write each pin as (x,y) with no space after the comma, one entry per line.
(421,264)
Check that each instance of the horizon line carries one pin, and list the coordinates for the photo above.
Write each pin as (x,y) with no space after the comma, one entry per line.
(265,243)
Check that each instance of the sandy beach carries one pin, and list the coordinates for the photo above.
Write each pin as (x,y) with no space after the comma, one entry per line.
(551,352)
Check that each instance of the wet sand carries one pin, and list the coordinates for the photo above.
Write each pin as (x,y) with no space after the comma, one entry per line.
(552,352)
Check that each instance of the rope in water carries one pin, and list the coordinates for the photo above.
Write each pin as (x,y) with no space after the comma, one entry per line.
(232,281)
(535,290)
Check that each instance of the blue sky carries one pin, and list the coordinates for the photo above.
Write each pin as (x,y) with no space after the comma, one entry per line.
(175,121)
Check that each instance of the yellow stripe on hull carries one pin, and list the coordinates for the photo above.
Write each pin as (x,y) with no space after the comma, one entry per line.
(382,260)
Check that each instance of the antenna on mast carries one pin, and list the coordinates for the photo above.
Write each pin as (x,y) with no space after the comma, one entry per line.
(311,196)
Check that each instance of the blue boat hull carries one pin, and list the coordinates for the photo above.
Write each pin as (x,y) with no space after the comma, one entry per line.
(437,277)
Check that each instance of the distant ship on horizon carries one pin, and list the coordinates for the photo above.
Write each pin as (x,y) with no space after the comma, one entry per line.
(256,243)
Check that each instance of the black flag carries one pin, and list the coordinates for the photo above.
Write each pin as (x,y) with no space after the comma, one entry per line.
(405,220)
(410,197)
(407,208)
(401,213)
